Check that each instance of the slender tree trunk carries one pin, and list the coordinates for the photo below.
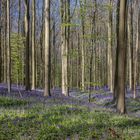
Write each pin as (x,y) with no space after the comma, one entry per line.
(83,49)
(64,47)
(110,62)
(129,55)
(78,62)
(83,59)
(42,40)
(117,51)
(27,55)
(93,41)
(136,51)
(33,46)
(47,48)
(8,48)
(121,58)
(4,24)
(4,38)
(54,58)
(19,26)
(131,62)
(2,41)
(0,57)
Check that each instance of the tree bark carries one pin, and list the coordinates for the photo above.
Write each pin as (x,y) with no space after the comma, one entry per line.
(0,58)
(64,46)
(8,48)
(117,46)
(136,51)
(33,45)
(110,62)
(121,58)
(131,62)
(27,55)
(47,48)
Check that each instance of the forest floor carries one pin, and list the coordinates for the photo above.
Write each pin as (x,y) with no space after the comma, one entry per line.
(30,116)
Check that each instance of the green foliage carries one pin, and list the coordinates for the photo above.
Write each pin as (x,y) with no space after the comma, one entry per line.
(17,59)
(58,122)
(8,102)
(70,25)
(133,104)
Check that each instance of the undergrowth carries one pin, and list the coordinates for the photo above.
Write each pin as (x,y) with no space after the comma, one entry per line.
(60,122)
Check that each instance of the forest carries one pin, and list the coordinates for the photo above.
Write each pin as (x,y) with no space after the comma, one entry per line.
(69,70)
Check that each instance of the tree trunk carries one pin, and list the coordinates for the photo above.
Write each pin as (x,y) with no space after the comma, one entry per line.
(0,57)
(33,46)
(27,55)
(83,49)
(19,25)
(131,62)
(78,61)
(93,41)
(64,46)
(47,48)
(117,46)
(110,62)
(8,48)
(121,58)
(136,51)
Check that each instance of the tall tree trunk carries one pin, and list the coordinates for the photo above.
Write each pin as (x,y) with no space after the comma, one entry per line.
(93,41)
(27,54)
(129,52)
(47,48)
(0,58)
(136,51)
(64,46)
(117,46)
(42,40)
(83,59)
(78,61)
(110,62)
(54,55)
(8,48)
(83,47)
(4,38)
(33,46)
(121,58)
(131,62)
(19,26)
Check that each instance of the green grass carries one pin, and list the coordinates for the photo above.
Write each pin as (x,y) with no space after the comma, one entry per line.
(58,122)
(7,102)
(133,104)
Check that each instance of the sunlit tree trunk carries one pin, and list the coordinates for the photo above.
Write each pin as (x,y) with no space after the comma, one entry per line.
(129,53)
(27,55)
(83,47)
(64,45)
(110,62)
(47,48)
